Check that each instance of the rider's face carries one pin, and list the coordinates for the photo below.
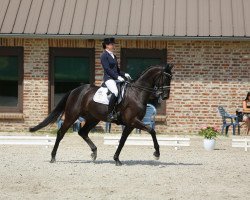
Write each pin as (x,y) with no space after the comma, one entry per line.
(110,47)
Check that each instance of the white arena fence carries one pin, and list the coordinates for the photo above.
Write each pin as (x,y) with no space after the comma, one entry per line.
(147,141)
(27,140)
(243,143)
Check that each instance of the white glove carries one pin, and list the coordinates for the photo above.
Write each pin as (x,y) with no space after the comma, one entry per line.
(127,76)
(120,79)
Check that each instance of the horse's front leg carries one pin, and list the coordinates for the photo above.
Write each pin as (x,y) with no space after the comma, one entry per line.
(127,130)
(140,125)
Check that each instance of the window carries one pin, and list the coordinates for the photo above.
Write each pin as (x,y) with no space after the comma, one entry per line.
(11,79)
(135,61)
(69,68)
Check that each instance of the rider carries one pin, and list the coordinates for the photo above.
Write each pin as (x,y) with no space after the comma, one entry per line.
(112,74)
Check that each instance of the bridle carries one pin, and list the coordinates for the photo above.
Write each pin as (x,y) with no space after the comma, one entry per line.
(157,89)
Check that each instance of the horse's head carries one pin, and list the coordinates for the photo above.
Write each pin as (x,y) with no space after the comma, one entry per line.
(156,79)
(162,82)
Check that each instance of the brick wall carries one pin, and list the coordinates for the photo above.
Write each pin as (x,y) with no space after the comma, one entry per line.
(206,74)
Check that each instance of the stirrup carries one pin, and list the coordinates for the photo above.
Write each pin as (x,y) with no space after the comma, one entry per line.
(112,116)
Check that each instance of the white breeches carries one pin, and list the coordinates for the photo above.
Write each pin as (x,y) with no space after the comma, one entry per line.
(111,85)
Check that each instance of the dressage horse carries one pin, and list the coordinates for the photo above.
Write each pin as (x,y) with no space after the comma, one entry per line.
(79,102)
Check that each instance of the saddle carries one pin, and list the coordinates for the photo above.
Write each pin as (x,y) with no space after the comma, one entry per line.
(103,94)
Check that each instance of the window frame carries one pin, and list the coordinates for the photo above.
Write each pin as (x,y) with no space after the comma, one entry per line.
(71,52)
(144,53)
(15,51)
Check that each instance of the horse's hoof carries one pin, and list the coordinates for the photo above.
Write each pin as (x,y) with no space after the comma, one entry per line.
(94,156)
(53,160)
(118,163)
(156,156)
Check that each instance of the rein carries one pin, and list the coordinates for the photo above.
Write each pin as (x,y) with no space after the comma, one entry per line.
(148,89)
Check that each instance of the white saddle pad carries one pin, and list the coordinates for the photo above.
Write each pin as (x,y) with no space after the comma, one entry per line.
(101,96)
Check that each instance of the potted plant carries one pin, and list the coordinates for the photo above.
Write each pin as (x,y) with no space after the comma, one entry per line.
(209,134)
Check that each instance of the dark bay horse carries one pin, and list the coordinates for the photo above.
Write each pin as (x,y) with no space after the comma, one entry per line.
(79,102)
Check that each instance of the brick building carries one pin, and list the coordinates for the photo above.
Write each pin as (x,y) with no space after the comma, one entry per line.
(50,46)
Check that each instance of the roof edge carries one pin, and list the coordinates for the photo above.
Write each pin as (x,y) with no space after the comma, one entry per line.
(131,37)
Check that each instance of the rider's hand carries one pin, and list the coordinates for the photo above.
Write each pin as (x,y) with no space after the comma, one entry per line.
(128,76)
(120,79)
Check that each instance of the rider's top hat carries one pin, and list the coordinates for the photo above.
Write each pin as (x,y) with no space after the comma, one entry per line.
(108,41)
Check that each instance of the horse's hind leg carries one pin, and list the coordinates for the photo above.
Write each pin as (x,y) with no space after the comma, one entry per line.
(84,132)
(60,134)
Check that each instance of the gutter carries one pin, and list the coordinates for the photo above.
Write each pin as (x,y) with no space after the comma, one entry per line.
(131,37)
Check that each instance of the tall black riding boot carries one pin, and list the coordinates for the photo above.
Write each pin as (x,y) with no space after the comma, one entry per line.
(111,117)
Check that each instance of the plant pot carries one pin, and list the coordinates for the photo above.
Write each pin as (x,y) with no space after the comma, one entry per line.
(208,144)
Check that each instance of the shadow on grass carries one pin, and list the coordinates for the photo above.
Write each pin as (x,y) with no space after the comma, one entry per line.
(132,162)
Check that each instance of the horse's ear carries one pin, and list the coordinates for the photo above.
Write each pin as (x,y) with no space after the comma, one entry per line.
(169,66)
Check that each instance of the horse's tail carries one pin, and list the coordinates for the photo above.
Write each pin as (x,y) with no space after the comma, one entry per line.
(53,116)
